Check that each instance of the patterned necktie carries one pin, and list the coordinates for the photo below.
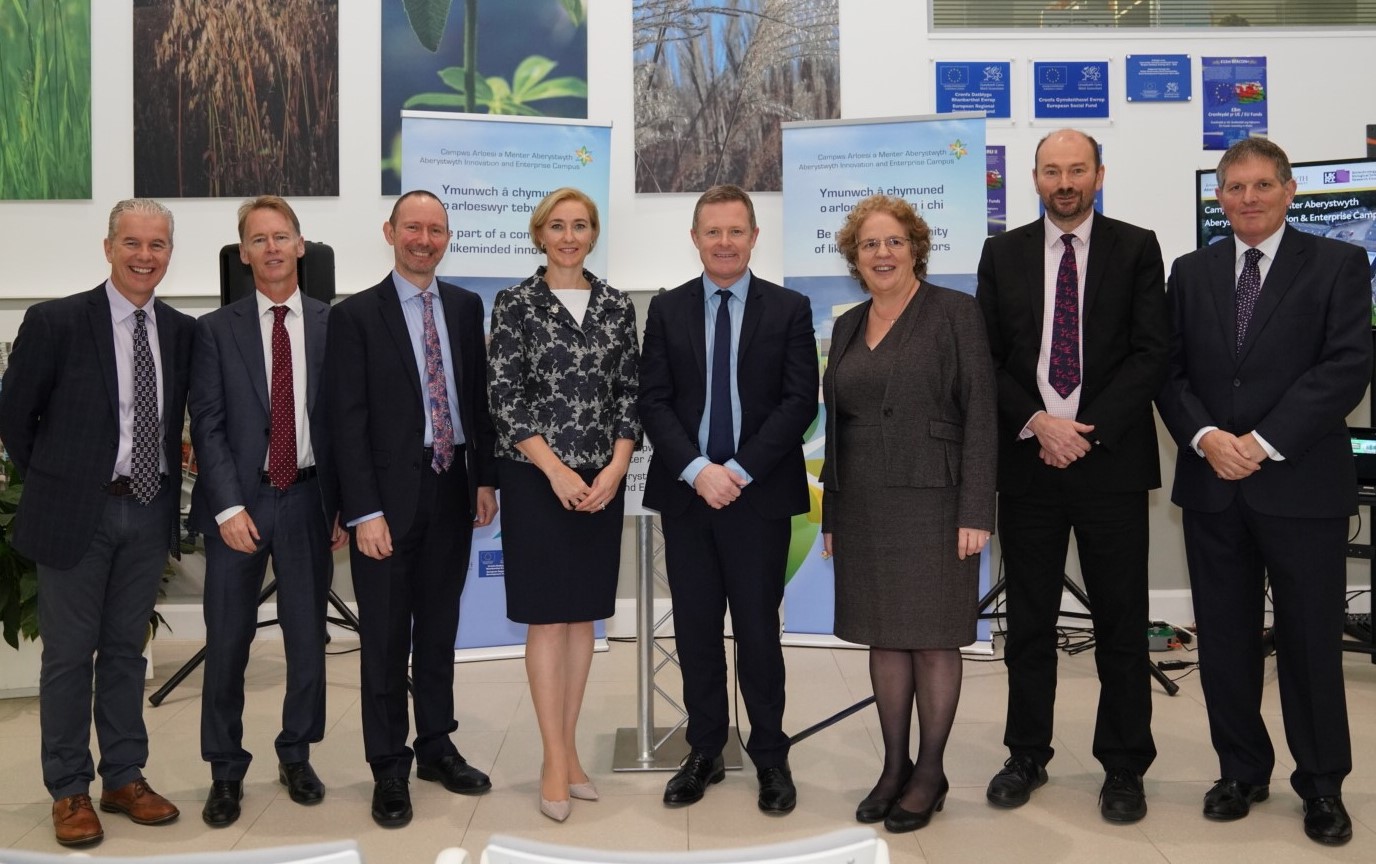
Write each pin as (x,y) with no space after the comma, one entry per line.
(437,389)
(143,456)
(282,442)
(1248,287)
(721,432)
(1064,371)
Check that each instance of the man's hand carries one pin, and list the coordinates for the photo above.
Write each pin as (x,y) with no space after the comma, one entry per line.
(1062,441)
(339,538)
(239,533)
(1231,457)
(487,506)
(718,485)
(373,538)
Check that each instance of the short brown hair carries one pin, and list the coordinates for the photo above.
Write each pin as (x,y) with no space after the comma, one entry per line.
(267,202)
(1259,148)
(540,215)
(723,194)
(919,235)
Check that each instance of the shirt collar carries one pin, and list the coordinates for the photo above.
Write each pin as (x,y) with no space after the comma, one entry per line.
(1054,232)
(293,303)
(407,291)
(737,288)
(1268,246)
(121,308)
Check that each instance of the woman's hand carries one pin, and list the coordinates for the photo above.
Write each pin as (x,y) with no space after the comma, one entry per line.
(970,541)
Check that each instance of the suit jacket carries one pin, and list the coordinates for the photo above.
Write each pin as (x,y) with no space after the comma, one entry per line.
(231,410)
(1305,364)
(777,379)
(572,382)
(377,406)
(938,414)
(1126,334)
(59,418)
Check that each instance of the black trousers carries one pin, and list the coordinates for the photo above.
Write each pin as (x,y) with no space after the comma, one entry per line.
(1231,555)
(1111,539)
(408,603)
(717,558)
(293,534)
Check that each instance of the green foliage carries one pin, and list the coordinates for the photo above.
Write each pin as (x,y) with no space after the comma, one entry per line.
(45,99)
(18,575)
(528,84)
(428,19)
(577,11)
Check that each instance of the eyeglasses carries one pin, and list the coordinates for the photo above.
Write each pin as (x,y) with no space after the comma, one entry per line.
(894,243)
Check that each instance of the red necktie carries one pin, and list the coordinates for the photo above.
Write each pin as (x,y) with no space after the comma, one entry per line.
(282,443)
(1064,372)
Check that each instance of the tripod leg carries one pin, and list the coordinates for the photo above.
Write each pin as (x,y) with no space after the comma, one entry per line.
(180,675)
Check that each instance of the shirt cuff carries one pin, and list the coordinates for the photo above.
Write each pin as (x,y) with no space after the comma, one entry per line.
(1266,445)
(228,513)
(354,523)
(1026,431)
(690,474)
(1194,442)
(736,466)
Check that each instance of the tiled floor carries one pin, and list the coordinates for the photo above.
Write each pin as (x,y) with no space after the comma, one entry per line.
(834,769)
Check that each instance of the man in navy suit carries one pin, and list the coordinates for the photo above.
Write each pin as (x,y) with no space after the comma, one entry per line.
(728,387)
(406,377)
(91,413)
(1077,326)
(265,489)
(1272,350)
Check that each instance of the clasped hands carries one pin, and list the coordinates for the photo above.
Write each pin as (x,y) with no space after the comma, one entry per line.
(718,485)
(1232,457)
(582,497)
(1062,441)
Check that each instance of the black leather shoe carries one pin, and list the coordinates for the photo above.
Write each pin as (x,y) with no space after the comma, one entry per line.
(222,805)
(875,808)
(698,772)
(302,784)
(1012,787)
(1122,799)
(456,775)
(900,821)
(392,802)
(1326,820)
(1233,799)
(777,792)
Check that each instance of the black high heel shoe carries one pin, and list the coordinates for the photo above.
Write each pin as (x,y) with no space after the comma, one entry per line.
(900,821)
(876,807)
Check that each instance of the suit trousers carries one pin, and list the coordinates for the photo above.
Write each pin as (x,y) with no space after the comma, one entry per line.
(1111,539)
(1231,555)
(716,558)
(409,603)
(293,534)
(94,620)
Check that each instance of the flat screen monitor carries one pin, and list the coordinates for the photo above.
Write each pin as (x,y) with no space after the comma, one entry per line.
(1333,198)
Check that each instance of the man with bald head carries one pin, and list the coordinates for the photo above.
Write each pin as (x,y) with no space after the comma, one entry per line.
(406,380)
(1075,308)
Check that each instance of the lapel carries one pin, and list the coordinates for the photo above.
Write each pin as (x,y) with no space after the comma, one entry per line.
(754,311)
(167,350)
(389,311)
(1034,269)
(1291,256)
(697,329)
(541,297)
(1102,239)
(316,317)
(248,338)
(450,297)
(1222,261)
(103,335)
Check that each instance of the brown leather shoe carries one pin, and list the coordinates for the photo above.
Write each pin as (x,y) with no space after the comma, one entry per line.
(139,802)
(75,821)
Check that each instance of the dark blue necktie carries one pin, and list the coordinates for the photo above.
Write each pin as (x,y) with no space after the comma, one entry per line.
(721,435)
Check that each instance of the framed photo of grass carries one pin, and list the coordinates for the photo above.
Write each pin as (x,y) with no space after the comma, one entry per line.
(45,99)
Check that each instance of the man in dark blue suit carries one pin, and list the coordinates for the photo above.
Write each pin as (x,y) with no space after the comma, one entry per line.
(728,387)
(406,377)
(1272,351)
(91,413)
(265,489)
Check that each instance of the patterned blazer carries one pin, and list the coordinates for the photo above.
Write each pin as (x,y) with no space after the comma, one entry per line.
(547,375)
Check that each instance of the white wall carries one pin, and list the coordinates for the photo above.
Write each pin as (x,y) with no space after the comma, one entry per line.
(1319,108)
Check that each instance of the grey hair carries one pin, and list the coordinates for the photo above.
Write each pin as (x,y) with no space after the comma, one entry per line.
(143,207)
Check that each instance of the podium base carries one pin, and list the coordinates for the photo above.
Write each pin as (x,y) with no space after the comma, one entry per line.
(668,756)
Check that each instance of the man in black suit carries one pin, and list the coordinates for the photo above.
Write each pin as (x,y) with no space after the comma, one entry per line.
(1272,350)
(91,413)
(1078,330)
(265,490)
(406,373)
(726,404)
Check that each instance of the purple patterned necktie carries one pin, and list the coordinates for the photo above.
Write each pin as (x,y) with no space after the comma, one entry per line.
(1248,287)
(1064,371)
(143,454)
(437,389)
(282,425)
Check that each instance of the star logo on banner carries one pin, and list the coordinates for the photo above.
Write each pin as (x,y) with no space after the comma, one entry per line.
(958,148)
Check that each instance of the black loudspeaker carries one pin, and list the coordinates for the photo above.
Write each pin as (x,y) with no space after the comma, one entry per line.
(314,273)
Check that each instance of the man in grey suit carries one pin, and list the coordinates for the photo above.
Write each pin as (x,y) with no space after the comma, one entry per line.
(91,413)
(265,490)
(1272,350)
